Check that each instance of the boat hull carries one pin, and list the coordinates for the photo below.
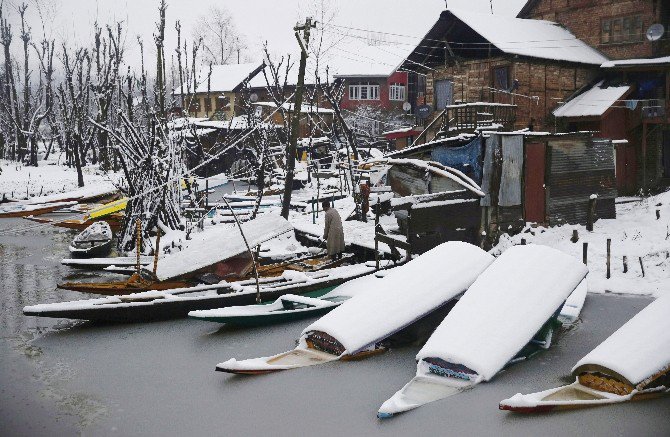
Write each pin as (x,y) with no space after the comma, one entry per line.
(178,307)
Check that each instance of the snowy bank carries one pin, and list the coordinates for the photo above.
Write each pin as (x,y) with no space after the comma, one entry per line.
(636,233)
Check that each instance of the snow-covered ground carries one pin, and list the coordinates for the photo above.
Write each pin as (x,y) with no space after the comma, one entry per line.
(635,233)
(20,182)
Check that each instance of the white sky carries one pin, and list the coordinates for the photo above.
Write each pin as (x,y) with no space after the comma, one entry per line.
(258,20)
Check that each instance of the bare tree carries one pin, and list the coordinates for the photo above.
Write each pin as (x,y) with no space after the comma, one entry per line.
(222,42)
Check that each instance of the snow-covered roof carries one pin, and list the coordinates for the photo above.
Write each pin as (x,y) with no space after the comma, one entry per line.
(592,103)
(225,78)
(533,38)
(219,243)
(358,59)
(664,61)
(240,122)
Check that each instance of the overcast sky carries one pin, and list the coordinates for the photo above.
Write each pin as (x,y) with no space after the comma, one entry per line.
(257,20)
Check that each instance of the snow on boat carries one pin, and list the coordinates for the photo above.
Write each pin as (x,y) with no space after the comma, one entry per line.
(632,364)
(16,209)
(99,192)
(505,309)
(404,296)
(96,240)
(287,308)
(218,251)
(574,304)
(101,263)
(177,303)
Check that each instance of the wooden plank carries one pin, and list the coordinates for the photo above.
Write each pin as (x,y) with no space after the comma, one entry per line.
(392,242)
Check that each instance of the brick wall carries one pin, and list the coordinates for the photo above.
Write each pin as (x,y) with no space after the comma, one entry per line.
(584,19)
(550,82)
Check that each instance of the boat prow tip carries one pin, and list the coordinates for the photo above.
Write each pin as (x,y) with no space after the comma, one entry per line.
(381,415)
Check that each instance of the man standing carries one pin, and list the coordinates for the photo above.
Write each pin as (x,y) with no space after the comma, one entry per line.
(333,232)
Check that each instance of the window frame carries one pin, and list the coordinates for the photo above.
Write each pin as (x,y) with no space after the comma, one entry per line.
(364,91)
(397,92)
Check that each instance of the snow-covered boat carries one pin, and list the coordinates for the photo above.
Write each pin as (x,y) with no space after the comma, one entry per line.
(511,304)
(287,308)
(632,364)
(96,240)
(177,303)
(424,287)
(17,209)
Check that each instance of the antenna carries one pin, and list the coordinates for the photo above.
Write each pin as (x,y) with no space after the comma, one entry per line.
(655,32)
(491,2)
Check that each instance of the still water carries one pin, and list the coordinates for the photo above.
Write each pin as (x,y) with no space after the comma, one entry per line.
(59,377)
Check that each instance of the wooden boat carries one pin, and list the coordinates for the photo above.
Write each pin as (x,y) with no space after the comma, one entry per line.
(507,315)
(405,297)
(289,307)
(20,209)
(115,222)
(96,240)
(161,305)
(102,263)
(632,364)
(232,270)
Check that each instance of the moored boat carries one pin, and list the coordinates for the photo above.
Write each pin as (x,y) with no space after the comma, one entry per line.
(177,303)
(506,315)
(400,301)
(287,308)
(94,241)
(632,364)
(21,209)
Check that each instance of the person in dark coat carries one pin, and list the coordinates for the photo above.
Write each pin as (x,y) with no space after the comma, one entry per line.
(333,232)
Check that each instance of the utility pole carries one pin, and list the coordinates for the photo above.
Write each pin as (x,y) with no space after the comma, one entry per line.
(297,107)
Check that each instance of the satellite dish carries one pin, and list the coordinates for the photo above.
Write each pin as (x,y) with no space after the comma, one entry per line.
(253,97)
(406,106)
(655,32)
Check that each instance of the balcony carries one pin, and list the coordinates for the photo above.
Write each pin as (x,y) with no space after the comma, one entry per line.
(469,118)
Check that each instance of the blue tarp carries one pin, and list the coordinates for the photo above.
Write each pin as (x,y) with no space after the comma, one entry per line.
(467,158)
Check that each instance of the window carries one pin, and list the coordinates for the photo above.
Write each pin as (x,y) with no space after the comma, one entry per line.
(364,91)
(397,92)
(208,104)
(622,30)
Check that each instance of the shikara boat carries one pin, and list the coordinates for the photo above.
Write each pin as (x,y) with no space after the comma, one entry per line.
(289,307)
(506,315)
(115,222)
(102,263)
(424,288)
(161,305)
(20,209)
(96,240)
(632,364)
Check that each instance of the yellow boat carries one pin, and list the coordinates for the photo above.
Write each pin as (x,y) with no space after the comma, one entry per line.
(107,209)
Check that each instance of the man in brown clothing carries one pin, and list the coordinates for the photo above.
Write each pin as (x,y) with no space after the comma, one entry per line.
(333,232)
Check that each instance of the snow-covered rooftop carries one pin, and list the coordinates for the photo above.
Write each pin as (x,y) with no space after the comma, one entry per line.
(225,78)
(636,62)
(533,38)
(305,108)
(474,31)
(592,103)
(358,59)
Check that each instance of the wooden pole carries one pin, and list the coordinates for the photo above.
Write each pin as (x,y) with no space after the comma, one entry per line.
(641,265)
(591,213)
(575,236)
(585,250)
(609,251)
(138,242)
(297,109)
(313,212)
(658,214)
(251,254)
(625,264)
(523,241)
(376,241)
(157,251)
